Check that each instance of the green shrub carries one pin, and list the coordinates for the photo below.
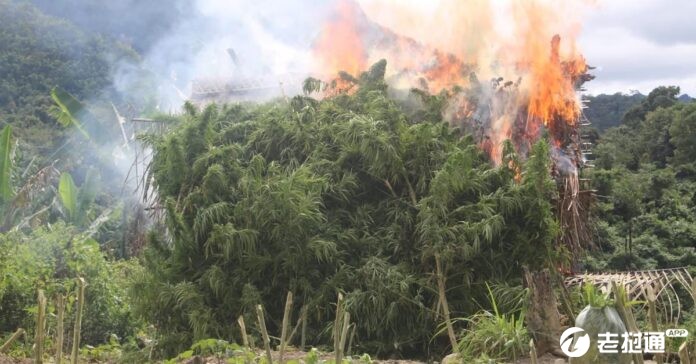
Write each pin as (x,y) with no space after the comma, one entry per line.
(348,194)
(494,336)
(51,258)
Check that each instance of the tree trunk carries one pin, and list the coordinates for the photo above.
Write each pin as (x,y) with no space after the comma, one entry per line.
(543,319)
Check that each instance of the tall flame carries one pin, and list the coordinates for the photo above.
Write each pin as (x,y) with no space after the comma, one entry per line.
(438,47)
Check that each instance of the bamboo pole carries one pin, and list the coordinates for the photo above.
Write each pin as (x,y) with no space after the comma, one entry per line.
(78,320)
(40,328)
(242,328)
(286,321)
(11,340)
(300,321)
(60,307)
(652,313)
(264,333)
(443,302)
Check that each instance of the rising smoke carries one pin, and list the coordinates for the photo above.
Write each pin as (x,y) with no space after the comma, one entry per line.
(523,54)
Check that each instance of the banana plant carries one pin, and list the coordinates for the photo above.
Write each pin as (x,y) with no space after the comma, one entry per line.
(67,110)
(6,149)
(76,201)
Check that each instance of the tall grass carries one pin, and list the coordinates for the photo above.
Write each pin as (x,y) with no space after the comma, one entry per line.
(495,335)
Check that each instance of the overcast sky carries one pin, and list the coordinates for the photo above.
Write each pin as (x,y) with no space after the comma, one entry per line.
(641,44)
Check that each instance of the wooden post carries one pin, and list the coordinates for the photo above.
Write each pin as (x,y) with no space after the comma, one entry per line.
(443,302)
(337,327)
(78,320)
(344,334)
(286,322)
(652,313)
(264,333)
(60,307)
(684,353)
(532,352)
(40,328)
(350,341)
(12,339)
(242,328)
(303,335)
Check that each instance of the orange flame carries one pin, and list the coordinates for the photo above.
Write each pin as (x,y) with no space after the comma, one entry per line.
(437,50)
(340,45)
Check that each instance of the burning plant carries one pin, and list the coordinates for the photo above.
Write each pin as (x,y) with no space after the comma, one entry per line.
(528,56)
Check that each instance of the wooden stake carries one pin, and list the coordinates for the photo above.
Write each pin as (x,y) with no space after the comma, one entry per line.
(60,307)
(350,341)
(286,322)
(443,301)
(303,336)
(242,327)
(11,340)
(684,353)
(344,334)
(652,314)
(532,352)
(264,333)
(40,328)
(78,320)
(337,326)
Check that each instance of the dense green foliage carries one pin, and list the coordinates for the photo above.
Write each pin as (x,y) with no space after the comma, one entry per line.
(44,61)
(607,111)
(37,53)
(347,194)
(646,178)
(51,258)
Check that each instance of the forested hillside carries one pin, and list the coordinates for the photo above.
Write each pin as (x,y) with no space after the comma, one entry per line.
(646,182)
(607,111)
(139,24)
(37,53)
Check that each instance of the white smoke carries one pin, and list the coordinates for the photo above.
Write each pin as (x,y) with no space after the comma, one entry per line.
(268,38)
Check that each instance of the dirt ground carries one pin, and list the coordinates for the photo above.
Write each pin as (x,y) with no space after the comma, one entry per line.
(7,360)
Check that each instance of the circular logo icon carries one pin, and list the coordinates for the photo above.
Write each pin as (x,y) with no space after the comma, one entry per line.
(572,347)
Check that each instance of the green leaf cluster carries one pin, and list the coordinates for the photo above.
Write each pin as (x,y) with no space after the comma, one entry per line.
(354,193)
